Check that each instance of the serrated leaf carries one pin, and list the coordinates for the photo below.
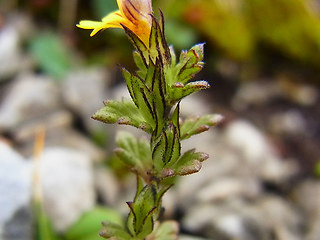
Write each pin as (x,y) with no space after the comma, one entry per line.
(167,230)
(189,162)
(159,101)
(199,50)
(139,45)
(195,125)
(142,68)
(114,231)
(141,216)
(186,73)
(158,47)
(122,112)
(166,150)
(134,152)
(173,56)
(178,91)
(141,95)
(158,152)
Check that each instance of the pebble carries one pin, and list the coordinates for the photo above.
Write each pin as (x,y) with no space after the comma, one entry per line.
(84,92)
(15,194)
(66,176)
(30,96)
(12,60)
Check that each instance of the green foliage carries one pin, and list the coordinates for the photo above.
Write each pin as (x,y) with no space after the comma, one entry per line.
(317,169)
(141,219)
(88,226)
(44,230)
(156,89)
(101,7)
(122,112)
(114,231)
(51,54)
(167,230)
(288,26)
(195,125)
(136,154)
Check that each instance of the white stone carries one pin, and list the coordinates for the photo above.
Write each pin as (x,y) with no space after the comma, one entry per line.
(252,147)
(68,185)
(229,187)
(85,90)
(15,182)
(11,58)
(31,96)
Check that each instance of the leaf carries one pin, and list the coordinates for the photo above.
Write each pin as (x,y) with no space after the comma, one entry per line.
(52,55)
(166,150)
(189,162)
(195,125)
(134,152)
(167,230)
(114,231)
(88,226)
(122,112)
(43,226)
(159,102)
(141,217)
(158,47)
(178,91)
(140,64)
(141,95)
(139,45)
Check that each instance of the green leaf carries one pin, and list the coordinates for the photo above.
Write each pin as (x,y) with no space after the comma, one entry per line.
(122,112)
(43,227)
(51,54)
(158,47)
(141,215)
(166,150)
(133,152)
(159,102)
(141,95)
(178,91)
(139,45)
(114,231)
(88,226)
(189,162)
(195,125)
(167,230)
(140,64)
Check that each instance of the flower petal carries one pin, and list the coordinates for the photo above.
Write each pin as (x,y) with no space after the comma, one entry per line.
(134,10)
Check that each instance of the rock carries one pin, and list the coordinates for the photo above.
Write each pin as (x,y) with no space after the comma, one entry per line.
(229,187)
(255,93)
(257,153)
(290,122)
(268,218)
(232,219)
(20,226)
(15,194)
(107,185)
(68,185)
(30,97)
(187,237)
(281,217)
(307,196)
(12,60)
(84,92)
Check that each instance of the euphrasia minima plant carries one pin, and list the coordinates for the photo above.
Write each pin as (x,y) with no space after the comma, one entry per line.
(156,89)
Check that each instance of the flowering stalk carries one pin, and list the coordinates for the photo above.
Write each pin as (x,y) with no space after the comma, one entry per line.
(156,89)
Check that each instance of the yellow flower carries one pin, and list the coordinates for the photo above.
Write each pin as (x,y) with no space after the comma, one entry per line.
(134,14)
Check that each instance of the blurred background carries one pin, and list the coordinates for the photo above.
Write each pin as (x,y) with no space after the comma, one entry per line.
(58,176)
